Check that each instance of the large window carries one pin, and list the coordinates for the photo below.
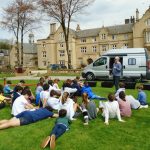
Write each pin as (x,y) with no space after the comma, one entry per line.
(114,37)
(131,61)
(83,49)
(147,37)
(83,40)
(62,62)
(104,48)
(44,53)
(114,46)
(94,49)
(103,36)
(100,61)
(147,22)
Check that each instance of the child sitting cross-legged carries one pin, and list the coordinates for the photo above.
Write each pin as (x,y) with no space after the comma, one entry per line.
(110,109)
(61,125)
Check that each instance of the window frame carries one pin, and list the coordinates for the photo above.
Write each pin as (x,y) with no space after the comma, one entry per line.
(131,61)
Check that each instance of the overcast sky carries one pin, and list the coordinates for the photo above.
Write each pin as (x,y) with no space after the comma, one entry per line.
(101,12)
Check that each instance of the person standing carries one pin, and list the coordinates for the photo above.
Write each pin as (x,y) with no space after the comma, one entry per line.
(117,68)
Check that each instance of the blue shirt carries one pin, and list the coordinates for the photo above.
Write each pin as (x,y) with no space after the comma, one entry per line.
(88,90)
(36,115)
(117,67)
(142,98)
(7,89)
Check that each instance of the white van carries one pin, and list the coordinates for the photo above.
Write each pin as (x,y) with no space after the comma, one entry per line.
(135,65)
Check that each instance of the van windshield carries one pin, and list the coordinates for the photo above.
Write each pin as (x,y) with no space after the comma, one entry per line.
(101,61)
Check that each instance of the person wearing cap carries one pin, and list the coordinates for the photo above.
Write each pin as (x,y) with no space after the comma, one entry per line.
(7,90)
(117,68)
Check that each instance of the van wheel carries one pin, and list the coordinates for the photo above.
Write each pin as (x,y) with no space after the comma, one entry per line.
(90,76)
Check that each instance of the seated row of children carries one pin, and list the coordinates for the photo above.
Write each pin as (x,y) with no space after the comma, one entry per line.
(117,105)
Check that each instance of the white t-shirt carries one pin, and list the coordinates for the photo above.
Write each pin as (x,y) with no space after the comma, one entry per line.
(118,91)
(69,107)
(19,105)
(44,95)
(53,102)
(111,110)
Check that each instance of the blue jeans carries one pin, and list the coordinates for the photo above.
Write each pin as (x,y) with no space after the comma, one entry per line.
(116,81)
(97,97)
(58,130)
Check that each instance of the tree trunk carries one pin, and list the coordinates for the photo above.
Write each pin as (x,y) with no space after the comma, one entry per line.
(22,47)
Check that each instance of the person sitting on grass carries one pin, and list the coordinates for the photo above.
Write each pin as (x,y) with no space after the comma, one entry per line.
(110,109)
(124,105)
(88,109)
(28,117)
(21,103)
(121,88)
(7,90)
(87,89)
(17,93)
(61,125)
(68,104)
(142,96)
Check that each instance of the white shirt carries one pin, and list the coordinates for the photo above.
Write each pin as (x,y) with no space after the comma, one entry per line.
(111,110)
(44,95)
(53,102)
(135,104)
(19,105)
(69,107)
(118,91)
(53,88)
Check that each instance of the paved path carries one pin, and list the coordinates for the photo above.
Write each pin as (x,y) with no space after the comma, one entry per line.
(37,78)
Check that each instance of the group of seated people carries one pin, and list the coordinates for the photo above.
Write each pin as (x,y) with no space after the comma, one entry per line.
(52,101)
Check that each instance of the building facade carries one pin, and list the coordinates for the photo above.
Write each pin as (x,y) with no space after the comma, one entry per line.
(92,43)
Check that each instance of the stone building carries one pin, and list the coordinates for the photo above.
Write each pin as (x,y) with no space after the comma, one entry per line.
(92,43)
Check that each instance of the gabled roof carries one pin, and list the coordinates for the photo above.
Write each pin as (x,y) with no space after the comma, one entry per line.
(118,29)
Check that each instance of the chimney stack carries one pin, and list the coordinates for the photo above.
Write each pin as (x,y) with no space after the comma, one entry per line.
(137,15)
(78,27)
(52,28)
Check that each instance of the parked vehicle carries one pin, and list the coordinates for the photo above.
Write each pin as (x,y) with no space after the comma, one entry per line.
(57,66)
(135,64)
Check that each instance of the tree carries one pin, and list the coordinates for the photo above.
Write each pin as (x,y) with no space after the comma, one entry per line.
(63,11)
(19,18)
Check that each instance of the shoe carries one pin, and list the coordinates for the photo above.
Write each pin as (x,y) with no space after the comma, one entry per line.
(45,142)
(143,106)
(85,123)
(52,142)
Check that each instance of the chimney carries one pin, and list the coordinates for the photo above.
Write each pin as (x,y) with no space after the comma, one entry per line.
(126,21)
(52,28)
(137,15)
(78,27)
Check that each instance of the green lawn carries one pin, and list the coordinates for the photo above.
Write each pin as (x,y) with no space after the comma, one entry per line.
(131,135)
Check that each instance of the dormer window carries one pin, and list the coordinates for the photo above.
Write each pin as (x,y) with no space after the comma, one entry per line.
(103,36)
(83,40)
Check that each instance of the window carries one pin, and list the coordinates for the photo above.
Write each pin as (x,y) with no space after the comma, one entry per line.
(44,63)
(101,61)
(131,61)
(44,45)
(44,53)
(103,36)
(104,48)
(114,37)
(147,22)
(62,62)
(126,45)
(62,53)
(126,36)
(83,40)
(83,49)
(94,39)
(61,36)
(147,37)
(94,48)
(114,46)
(61,45)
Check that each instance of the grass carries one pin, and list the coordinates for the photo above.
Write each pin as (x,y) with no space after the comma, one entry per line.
(131,135)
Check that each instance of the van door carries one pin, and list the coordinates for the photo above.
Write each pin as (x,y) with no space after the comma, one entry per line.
(101,68)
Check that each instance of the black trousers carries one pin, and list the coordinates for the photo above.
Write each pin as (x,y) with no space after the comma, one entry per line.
(116,81)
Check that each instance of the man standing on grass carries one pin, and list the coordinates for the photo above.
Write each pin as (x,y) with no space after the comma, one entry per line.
(117,67)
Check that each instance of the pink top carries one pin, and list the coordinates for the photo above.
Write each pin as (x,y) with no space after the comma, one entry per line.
(125,108)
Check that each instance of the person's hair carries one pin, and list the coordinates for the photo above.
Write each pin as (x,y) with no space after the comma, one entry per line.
(42,78)
(122,95)
(64,97)
(45,86)
(111,97)
(56,80)
(50,82)
(117,57)
(26,88)
(52,93)
(18,88)
(85,98)
(75,81)
(1,91)
(22,81)
(9,82)
(121,85)
(77,77)
(62,113)
(49,108)
(85,82)
(26,92)
(140,87)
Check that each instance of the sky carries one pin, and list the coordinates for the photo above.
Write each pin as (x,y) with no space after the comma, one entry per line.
(101,12)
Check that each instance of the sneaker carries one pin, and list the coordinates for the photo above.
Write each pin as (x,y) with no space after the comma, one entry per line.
(86,121)
(45,142)
(143,106)
(52,142)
